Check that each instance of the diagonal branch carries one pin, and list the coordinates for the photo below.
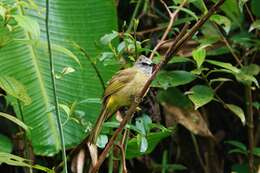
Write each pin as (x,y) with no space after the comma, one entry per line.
(175,47)
(168,29)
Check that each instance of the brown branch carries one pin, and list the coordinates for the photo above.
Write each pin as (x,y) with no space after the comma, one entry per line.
(141,33)
(169,27)
(223,38)
(122,151)
(250,124)
(172,51)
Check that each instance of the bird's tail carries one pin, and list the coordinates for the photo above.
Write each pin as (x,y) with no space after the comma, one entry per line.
(98,126)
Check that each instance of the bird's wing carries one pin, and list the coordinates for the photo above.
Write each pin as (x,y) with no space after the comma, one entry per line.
(119,80)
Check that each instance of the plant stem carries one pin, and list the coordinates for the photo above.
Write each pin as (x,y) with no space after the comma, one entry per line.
(250,124)
(164,161)
(57,111)
(134,15)
(173,16)
(197,150)
(111,162)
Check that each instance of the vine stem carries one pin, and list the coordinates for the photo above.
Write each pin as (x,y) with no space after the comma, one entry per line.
(250,124)
(134,15)
(172,51)
(64,158)
(84,52)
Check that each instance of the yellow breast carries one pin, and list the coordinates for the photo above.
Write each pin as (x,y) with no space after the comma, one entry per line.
(131,89)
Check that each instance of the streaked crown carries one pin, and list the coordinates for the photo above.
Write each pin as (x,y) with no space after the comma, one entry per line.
(145,64)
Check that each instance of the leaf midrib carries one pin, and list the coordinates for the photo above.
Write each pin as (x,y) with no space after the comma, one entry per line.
(42,88)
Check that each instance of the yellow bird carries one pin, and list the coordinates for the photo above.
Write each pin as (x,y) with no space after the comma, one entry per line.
(124,86)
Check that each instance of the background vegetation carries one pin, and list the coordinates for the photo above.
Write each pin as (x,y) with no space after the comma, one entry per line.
(200,115)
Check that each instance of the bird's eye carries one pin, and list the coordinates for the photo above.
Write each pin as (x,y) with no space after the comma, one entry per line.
(144,63)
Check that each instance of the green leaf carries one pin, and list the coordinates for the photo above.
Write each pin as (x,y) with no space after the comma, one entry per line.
(186,10)
(29,25)
(3,11)
(83,23)
(245,39)
(14,120)
(102,141)
(240,168)
(241,3)
(199,56)
(142,124)
(232,11)
(91,100)
(256,105)
(14,160)
(237,151)
(256,151)
(252,69)
(107,38)
(200,5)
(153,139)
(63,50)
(220,79)
(14,88)
(5,144)
(200,95)
(255,25)
(225,65)
(174,96)
(255,4)
(55,48)
(65,71)
(246,79)
(198,71)
(179,59)
(237,111)
(166,79)
(237,144)
(143,144)
(222,21)
(247,73)
(108,58)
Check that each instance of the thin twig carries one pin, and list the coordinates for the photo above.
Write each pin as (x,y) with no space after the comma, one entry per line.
(195,28)
(122,151)
(180,35)
(238,60)
(197,151)
(164,61)
(249,13)
(140,33)
(169,27)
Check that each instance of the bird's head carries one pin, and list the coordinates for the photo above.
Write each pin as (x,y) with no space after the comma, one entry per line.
(145,64)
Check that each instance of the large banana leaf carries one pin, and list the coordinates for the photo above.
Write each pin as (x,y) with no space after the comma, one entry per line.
(82,22)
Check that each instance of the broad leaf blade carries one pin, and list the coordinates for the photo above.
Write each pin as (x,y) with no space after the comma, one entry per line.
(201,95)
(167,79)
(238,112)
(84,23)
(14,120)
(14,88)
